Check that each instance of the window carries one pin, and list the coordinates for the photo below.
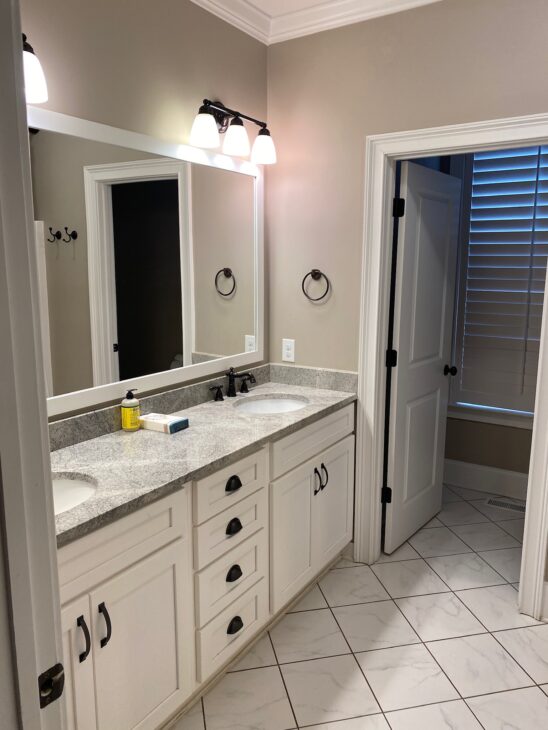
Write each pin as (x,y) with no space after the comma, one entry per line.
(502,274)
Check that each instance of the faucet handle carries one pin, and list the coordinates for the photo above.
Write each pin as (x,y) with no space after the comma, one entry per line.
(218,392)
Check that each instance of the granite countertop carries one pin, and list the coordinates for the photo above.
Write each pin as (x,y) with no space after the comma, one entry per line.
(135,469)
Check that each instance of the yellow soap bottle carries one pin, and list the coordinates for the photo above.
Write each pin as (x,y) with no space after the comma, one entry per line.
(131,410)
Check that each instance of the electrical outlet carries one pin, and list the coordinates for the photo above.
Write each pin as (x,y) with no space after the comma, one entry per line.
(250,343)
(288,350)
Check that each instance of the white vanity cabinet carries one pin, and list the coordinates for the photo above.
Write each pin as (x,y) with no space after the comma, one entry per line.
(128,639)
(311,506)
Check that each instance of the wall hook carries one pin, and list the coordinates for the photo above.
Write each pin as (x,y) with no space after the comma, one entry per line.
(316,275)
(228,273)
(71,236)
(55,236)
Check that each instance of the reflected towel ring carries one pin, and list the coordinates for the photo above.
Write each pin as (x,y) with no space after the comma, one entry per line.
(316,274)
(229,275)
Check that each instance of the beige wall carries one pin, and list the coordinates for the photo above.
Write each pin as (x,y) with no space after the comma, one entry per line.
(450,62)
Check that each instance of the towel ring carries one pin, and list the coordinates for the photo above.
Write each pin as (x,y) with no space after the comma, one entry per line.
(316,275)
(229,275)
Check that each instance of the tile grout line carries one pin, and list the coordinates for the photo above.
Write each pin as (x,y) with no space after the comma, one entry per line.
(283,678)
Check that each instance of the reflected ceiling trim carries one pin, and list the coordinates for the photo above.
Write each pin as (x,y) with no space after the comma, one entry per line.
(325,15)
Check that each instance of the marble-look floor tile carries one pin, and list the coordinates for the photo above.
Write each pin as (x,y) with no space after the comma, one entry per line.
(486,536)
(496,607)
(478,665)
(307,635)
(453,715)
(192,720)
(513,527)
(460,513)
(410,578)
(437,541)
(448,495)
(261,654)
(404,552)
(522,709)
(506,562)
(325,690)
(472,494)
(371,722)
(439,616)
(465,571)
(544,688)
(529,647)
(374,626)
(355,585)
(497,514)
(434,522)
(253,700)
(310,601)
(405,676)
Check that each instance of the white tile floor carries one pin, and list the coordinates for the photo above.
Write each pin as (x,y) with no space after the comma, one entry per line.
(428,638)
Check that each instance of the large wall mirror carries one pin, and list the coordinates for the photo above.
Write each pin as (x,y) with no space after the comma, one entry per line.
(149,260)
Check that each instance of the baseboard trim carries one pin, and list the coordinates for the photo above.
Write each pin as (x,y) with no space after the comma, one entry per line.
(486,478)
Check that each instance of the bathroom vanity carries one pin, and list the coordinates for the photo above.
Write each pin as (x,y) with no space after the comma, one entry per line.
(191,544)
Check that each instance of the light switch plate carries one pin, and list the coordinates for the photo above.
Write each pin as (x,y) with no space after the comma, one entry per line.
(250,343)
(288,350)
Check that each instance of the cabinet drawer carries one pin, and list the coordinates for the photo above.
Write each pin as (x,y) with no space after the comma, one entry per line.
(289,452)
(221,533)
(216,642)
(92,559)
(221,490)
(219,585)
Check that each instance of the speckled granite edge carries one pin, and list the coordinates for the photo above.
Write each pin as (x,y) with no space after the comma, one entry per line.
(87,426)
(343,380)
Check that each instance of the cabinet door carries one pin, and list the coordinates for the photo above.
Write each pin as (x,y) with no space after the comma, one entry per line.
(142,664)
(332,508)
(78,694)
(291,557)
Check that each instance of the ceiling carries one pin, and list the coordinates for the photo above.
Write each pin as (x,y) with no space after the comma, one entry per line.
(273,21)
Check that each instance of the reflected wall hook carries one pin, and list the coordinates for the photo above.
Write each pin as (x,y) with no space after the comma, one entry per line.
(316,275)
(55,236)
(71,236)
(229,275)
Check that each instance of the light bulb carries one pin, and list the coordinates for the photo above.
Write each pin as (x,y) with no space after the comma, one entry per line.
(264,151)
(204,132)
(36,89)
(236,140)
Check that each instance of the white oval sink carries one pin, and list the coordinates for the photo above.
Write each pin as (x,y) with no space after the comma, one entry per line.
(269,404)
(70,490)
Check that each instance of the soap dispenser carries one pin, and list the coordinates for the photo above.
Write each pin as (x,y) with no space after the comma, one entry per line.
(131,411)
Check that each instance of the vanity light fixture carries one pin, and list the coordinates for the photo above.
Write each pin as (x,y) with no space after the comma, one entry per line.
(213,118)
(36,89)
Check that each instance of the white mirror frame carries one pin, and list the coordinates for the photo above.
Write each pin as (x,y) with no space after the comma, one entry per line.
(102,394)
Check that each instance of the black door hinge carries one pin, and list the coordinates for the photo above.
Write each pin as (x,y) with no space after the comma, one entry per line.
(115,347)
(391,358)
(398,208)
(386,495)
(51,684)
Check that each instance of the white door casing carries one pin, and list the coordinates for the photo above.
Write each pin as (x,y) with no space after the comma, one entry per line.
(423,322)
(43,306)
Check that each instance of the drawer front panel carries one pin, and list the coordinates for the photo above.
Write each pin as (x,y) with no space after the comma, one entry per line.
(228,486)
(229,577)
(223,637)
(220,534)
(298,447)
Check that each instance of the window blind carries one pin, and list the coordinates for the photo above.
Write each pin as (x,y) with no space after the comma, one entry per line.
(503,277)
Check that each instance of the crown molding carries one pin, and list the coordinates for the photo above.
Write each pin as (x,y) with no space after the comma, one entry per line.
(324,16)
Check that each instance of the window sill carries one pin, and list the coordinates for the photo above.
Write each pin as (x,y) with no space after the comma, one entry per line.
(514,420)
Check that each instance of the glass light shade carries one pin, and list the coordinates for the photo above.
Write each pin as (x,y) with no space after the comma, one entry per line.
(36,89)
(236,140)
(204,132)
(264,151)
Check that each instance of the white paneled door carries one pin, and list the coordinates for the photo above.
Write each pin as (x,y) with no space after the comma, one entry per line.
(423,317)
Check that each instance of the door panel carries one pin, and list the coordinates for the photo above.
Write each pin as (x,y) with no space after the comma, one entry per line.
(423,323)
(78,695)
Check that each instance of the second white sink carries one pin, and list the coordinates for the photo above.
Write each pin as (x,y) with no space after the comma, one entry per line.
(70,490)
(268,404)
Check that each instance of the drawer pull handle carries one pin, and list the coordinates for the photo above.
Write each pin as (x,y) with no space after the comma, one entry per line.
(318,489)
(103,610)
(81,623)
(235,625)
(233,484)
(324,469)
(233,527)
(235,573)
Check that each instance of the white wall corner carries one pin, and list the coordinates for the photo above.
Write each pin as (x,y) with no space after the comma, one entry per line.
(485,479)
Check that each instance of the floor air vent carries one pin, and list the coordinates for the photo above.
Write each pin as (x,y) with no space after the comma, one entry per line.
(513,505)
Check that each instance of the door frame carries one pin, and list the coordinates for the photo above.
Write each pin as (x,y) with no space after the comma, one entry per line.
(98,180)
(381,154)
